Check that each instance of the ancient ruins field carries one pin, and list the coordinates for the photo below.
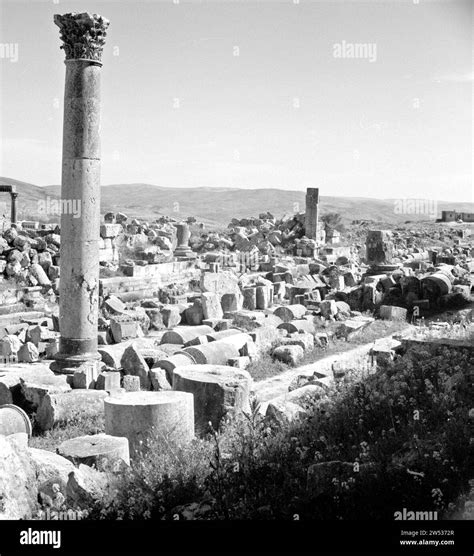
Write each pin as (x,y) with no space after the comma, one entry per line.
(225,354)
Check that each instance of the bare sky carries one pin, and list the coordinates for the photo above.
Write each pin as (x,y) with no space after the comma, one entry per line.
(255,94)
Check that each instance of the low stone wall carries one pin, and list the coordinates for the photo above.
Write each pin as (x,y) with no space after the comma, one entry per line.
(148,279)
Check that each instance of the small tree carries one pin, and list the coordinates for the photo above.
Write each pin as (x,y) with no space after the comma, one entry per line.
(332,221)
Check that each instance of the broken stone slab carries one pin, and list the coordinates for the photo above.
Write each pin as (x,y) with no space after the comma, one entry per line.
(391,312)
(219,283)
(28,353)
(171,315)
(287,313)
(290,354)
(150,416)
(37,271)
(211,306)
(85,487)
(97,450)
(300,325)
(283,413)
(184,334)
(108,380)
(249,298)
(303,339)
(18,481)
(131,383)
(133,363)
(194,314)
(351,326)
(241,362)
(125,330)
(35,388)
(213,353)
(218,324)
(52,471)
(14,420)
(114,305)
(217,390)
(328,308)
(86,374)
(10,345)
(265,336)
(264,295)
(65,406)
(170,363)
(159,379)
(232,302)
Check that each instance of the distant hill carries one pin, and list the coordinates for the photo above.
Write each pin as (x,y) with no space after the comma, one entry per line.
(219,205)
(28,200)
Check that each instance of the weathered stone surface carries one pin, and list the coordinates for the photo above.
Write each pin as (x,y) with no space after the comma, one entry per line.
(108,380)
(56,408)
(51,469)
(142,416)
(184,334)
(232,302)
(328,308)
(171,316)
(170,363)
(159,380)
(211,306)
(283,413)
(125,330)
(300,325)
(37,271)
(287,313)
(133,363)
(97,450)
(250,298)
(35,388)
(219,283)
(213,353)
(114,305)
(131,383)
(18,482)
(28,353)
(390,312)
(85,486)
(217,390)
(290,354)
(303,339)
(10,345)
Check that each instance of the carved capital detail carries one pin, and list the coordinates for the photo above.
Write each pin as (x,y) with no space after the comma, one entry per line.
(83,35)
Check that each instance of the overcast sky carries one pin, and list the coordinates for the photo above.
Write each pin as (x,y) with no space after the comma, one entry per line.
(255,94)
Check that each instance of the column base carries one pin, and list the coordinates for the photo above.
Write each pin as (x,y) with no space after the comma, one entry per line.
(75,353)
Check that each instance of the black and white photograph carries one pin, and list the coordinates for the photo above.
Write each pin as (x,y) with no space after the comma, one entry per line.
(236,276)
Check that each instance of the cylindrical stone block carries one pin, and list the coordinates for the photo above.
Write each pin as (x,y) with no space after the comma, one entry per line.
(287,313)
(184,334)
(213,353)
(217,390)
(148,417)
(96,450)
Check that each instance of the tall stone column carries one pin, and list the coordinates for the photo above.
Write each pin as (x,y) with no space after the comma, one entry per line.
(13,196)
(311,217)
(83,36)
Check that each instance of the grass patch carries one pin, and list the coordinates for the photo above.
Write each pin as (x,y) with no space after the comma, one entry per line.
(79,425)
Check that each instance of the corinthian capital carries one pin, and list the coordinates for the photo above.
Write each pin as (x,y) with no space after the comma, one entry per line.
(83,35)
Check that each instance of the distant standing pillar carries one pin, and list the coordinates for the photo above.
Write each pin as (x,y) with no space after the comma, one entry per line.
(84,37)
(13,207)
(311,217)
